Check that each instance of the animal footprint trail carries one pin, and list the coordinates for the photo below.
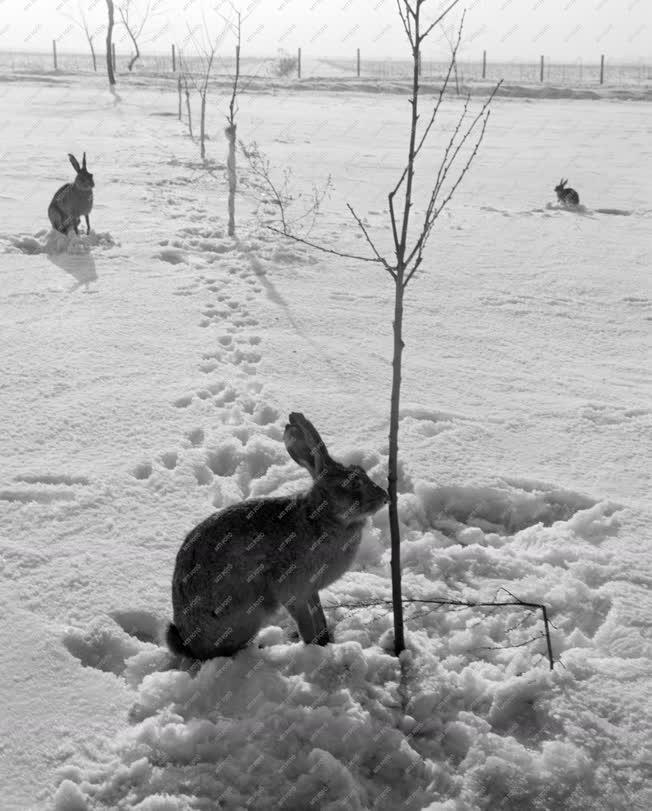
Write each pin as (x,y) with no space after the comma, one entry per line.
(229,366)
(44,488)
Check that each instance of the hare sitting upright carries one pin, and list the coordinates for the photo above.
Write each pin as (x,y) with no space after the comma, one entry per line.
(569,197)
(239,565)
(73,200)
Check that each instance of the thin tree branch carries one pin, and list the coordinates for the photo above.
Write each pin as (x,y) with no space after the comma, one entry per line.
(369,240)
(509,647)
(237,76)
(441,176)
(405,20)
(437,21)
(443,87)
(341,254)
(471,604)
(417,263)
(432,212)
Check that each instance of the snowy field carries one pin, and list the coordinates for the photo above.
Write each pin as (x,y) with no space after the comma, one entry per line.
(148,372)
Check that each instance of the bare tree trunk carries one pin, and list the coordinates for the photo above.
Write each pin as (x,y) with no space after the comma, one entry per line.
(230,170)
(202,128)
(179,89)
(136,56)
(134,31)
(230,133)
(392,473)
(109,49)
(188,107)
(90,43)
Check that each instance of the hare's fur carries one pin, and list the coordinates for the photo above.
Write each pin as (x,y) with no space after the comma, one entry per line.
(73,200)
(567,196)
(239,565)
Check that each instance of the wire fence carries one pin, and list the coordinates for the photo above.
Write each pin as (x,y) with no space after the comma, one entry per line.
(543,70)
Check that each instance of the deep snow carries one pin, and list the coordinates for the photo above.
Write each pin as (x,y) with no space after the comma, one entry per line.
(147,374)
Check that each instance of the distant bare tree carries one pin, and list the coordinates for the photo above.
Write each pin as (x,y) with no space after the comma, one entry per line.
(83,24)
(188,108)
(109,39)
(133,28)
(231,128)
(206,54)
(453,45)
(285,64)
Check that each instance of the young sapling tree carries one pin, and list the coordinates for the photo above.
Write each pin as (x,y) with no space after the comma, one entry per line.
(230,130)
(276,193)
(206,50)
(133,27)
(83,24)
(409,244)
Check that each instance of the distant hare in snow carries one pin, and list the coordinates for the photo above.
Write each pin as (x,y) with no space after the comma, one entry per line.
(569,197)
(239,565)
(73,200)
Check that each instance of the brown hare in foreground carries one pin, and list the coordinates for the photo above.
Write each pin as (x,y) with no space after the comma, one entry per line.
(73,200)
(569,197)
(240,564)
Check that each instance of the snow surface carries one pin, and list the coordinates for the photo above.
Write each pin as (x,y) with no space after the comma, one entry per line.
(148,371)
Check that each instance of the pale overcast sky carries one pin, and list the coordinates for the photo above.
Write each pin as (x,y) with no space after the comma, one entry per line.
(563,30)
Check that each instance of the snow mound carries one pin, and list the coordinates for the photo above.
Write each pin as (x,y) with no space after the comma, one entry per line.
(504,510)
(56,243)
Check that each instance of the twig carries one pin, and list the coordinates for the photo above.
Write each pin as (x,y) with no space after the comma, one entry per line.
(437,21)
(405,19)
(323,249)
(472,604)
(442,90)
(371,244)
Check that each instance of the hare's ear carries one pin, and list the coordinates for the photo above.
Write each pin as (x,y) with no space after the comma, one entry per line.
(75,162)
(84,162)
(304,444)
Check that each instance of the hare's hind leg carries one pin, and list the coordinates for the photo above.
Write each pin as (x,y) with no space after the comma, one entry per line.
(88,224)
(310,619)
(56,217)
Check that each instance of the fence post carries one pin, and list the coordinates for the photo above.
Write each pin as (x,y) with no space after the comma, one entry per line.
(601,68)
(54,52)
(299,63)
(113,55)
(174,60)
(541,71)
(179,89)
(484,64)
(358,62)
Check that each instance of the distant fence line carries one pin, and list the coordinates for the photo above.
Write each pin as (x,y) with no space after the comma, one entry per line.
(543,70)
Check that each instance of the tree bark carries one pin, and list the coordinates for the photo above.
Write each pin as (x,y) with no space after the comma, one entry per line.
(202,127)
(90,43)
(230,167)
(230,133)
(188,108)
(135,43)
(109,35)
(392,473)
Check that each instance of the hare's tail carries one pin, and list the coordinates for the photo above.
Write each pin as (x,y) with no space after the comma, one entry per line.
(175,642)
